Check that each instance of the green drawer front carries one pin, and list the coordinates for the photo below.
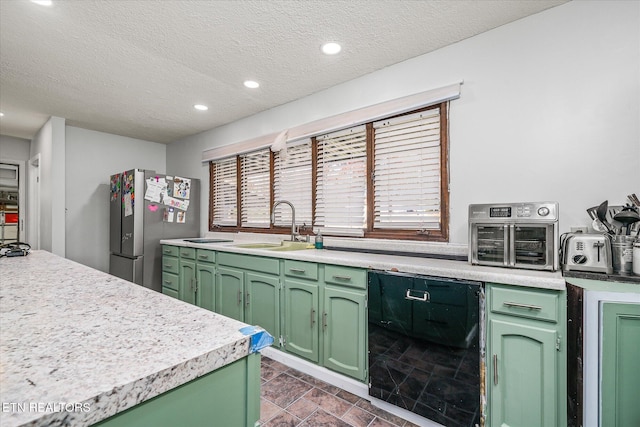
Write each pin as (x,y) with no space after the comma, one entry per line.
(345,276)
(170,280)
(204,255)
(539,304)
(301,269)
(189,253)
(170,264)
(171,292)
(250,262)
(170,250)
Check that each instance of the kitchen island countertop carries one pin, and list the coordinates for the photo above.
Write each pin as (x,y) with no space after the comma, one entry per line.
(79,345)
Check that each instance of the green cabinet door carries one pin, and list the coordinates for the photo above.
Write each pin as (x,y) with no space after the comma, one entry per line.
(301,318)
(262,302)
(343,326)
(522,381)
(229,293)
(620,369)
(206,279)
(187,275)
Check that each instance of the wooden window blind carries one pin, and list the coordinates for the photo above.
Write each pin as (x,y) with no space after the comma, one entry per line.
(292,174)
(256,189)
(406,179)
(224,193)
(341,185)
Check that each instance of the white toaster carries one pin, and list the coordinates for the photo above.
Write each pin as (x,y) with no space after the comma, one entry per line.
(587,252)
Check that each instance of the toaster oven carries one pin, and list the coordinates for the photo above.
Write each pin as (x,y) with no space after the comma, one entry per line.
(515,235)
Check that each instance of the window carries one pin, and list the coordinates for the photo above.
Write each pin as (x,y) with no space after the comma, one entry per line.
(341,183)
(407,172)
(292,182)
(256,189)
(224,192)
(383,179)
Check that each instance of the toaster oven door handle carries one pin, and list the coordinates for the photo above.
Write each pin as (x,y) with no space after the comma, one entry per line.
(512,245)
(509,245)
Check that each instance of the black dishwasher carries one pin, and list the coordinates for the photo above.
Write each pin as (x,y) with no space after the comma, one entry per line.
(425,342)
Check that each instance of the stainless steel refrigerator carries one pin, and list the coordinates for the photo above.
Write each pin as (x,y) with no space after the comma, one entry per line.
(146,207)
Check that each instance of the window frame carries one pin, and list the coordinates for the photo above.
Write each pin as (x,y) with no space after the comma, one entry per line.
(432,235)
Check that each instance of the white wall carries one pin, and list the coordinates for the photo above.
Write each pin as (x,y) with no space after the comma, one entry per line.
(91,157)
(14,148)
(550,110)
(49,142)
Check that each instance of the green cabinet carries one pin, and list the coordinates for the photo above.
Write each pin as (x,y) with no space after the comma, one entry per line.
(229,396)
(620,368)
(325,316)
(301,311)
(526,356)
(262,301)
(170,263)
(344,331)
(249,290)
(229,293)
(205,279)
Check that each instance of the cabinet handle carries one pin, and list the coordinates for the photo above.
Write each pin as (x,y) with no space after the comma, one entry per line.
(495,369)
(297,270)
(313,317)
(203,256)
(324,321)
(167,281)
(167,266)
(426,297)
(338,277)
(239,297)
(518,305)
(247,302)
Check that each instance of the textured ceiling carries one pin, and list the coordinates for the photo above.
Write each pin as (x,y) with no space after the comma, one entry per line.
(136,67)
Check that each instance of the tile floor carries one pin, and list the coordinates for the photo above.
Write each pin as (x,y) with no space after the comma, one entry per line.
(291,398)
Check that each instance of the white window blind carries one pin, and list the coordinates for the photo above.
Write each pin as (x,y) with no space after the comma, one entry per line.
(341,190)
(407,172)
(292,182)
(255,188)
(225,186)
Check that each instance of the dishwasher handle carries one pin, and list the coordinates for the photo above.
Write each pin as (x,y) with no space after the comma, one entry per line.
(410,295)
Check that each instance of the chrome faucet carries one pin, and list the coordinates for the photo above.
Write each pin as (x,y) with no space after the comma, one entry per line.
(293,217)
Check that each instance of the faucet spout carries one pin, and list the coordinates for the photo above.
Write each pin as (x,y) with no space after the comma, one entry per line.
(293,216)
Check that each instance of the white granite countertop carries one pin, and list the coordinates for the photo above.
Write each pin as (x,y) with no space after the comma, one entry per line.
(78,345)
(407,264)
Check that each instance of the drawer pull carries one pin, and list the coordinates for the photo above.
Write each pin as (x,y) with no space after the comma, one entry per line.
(495,369)
(204,257)
(167,281)
(297,270)
(338,277)
(167,266)
(425,296)
(518,305)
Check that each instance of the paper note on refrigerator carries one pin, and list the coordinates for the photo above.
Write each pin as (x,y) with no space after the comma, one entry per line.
(168,215)
(181,187)
(176,203)
(128,205)
(155,190)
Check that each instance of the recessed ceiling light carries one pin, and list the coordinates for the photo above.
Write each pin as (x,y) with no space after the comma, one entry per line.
(1,114)
(43,2)
(251,84)
(331,48)
(201,107)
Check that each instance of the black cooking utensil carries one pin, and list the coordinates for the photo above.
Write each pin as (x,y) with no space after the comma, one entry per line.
(602,215)
(627,217)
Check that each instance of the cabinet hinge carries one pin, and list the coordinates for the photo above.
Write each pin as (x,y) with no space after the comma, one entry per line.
(558,343)
(282,341)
